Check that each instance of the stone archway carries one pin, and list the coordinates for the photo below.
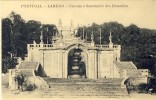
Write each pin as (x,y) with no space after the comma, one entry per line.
(76,63)
(68,50)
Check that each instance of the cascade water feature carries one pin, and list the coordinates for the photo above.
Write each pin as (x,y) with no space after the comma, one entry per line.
(77,69)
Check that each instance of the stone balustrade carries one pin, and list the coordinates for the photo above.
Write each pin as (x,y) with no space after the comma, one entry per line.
(40,45)
(107,46)
(66,44)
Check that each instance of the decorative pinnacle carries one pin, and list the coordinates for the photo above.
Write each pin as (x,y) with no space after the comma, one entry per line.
(110,37)
(72,26)
(60,22)
(41,36)
(86,36)
(71,22)
(92,37)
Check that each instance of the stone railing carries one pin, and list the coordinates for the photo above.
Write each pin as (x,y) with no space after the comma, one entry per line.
(40,45)
(67,44)
(47,45)
(102,46)
(116,46)
(107,46)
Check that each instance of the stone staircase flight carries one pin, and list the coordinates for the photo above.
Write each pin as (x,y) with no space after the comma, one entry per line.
(109,88)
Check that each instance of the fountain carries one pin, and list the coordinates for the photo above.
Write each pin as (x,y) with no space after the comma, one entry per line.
(77,69)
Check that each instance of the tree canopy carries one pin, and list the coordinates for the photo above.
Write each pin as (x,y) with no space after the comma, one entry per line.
(138,44)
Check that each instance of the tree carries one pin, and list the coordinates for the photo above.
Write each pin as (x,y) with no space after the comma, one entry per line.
(13,40)
(33,31)
(18,35)
(136,42)
(6,31)
(8,63)
(49,31)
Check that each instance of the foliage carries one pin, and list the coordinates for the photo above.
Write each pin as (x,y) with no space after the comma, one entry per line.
(8,63)
(143,88)
(149,87)
(138,44)
(18,35)
(23,83)
(152,85)
(30,87)
(48,32)
(6,31)
(33,31)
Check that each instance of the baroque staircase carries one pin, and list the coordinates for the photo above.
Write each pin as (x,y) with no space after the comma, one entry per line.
(109,88)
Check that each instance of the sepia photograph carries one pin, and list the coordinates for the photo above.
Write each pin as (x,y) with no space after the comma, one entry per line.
(88,49)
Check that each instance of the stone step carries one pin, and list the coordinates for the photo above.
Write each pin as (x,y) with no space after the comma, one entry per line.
(82,90)
(106,80)
(84,93)
(88,86)
(85,87)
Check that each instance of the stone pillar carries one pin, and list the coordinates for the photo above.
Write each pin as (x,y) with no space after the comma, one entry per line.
(95,64)
(92,68)
(98,63)
(28,50)
(63,64)
(65,71)
(41,45)
(118,53)
(106,64)
(92,44)
(11,79)
(60,64)
(55,68)
(52,62)
(61,44)
(12,82)
(92,40)
(111,45)
(110,41)
(111,60)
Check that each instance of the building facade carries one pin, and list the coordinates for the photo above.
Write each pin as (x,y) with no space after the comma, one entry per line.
(98,60)
(72,57)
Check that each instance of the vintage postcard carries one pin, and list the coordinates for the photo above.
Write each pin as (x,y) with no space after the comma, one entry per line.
(72,49)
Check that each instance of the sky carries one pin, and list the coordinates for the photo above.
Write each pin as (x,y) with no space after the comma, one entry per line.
(140,12)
